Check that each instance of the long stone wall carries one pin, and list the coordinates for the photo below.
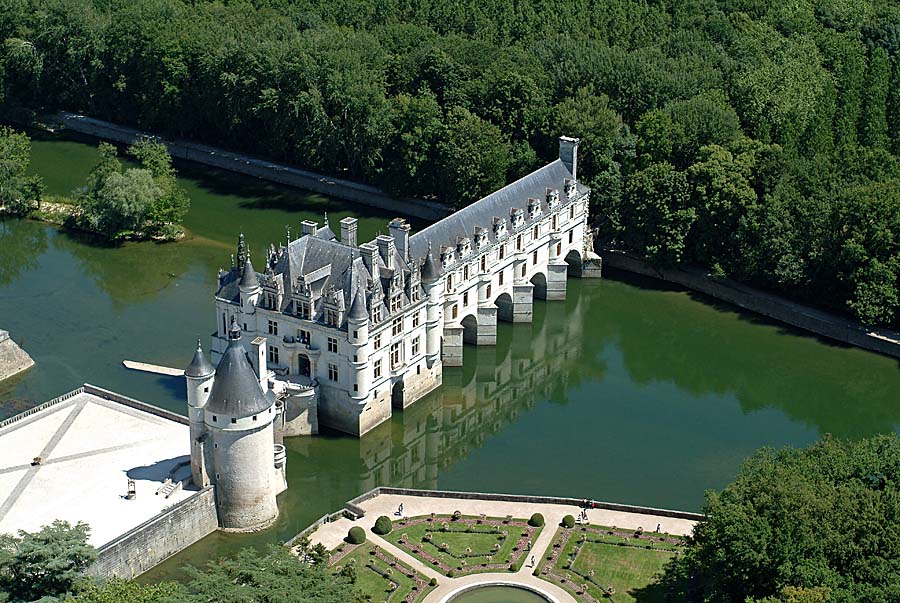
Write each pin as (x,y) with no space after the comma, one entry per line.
(883,341)
(13,359)
(157,539)
(260,168)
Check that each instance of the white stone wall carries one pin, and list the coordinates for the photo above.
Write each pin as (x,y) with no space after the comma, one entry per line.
(245,497)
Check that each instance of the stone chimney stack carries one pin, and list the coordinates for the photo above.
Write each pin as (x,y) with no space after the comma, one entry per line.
(399,229)
(368,251)
(348,231)
(308,227)
(262,369)
(568,153)
(386,250)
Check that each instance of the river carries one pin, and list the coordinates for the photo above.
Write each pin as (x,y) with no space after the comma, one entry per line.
(630,390)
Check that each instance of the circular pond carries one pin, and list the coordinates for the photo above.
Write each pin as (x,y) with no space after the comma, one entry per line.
(499,594)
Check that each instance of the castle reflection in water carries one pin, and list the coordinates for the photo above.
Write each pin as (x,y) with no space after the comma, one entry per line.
(531,363)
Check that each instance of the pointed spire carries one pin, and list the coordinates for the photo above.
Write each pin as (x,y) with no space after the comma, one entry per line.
(358,309)
(199,366)
(242,253)
(234,333)
(248,278)
(431,270)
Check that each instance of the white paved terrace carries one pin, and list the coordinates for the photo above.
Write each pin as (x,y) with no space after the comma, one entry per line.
(89,447)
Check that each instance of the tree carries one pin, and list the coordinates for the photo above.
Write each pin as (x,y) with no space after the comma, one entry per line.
(410,153)
(172,204)
(19,192)
(121,206)
(721,196)
(796,524)
(274,576)
(473,157)
(656,216)
(117,590)
(874,126)
(46,563)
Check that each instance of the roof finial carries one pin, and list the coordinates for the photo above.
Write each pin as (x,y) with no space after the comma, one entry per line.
(287,227)
(235,332)
(199,347)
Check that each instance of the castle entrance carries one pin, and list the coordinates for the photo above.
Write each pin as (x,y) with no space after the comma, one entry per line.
(304,368)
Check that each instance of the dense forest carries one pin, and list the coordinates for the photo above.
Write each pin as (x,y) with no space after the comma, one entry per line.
(757,138)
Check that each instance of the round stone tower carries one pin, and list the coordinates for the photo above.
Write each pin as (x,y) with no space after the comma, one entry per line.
(199,375)
(431,281)
(358,337)
(239,419)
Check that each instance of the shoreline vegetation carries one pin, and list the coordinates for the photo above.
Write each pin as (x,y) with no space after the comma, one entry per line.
(115,204)
(759,141)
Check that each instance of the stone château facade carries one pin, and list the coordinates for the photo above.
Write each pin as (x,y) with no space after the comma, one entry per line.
(351,330)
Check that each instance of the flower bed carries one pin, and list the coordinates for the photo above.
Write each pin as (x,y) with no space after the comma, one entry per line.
(459,545)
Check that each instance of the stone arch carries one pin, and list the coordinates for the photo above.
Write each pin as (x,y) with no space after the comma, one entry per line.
(397,394)
(504,305)
(539,280)
(575,262)
(470,329)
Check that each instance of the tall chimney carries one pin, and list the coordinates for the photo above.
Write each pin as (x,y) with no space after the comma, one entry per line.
(399,229)
(368,251)
(568,154)
(262,369)
(308,227)
(386,250)
(348,231)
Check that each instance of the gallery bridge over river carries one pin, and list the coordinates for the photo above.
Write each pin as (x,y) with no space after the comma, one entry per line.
(369,327)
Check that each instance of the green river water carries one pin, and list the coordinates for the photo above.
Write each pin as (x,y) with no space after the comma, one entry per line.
(629,391)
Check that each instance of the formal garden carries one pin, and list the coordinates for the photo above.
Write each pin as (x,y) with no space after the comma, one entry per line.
(457,545)
(378,574)
(598,563)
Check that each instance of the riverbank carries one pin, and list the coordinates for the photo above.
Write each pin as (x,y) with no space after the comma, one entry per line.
(883,341)
(260,168)
(13,359)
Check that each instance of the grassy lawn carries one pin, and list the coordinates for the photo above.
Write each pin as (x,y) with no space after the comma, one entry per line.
(481,541)
(623,567)
(627,569)
(373,583)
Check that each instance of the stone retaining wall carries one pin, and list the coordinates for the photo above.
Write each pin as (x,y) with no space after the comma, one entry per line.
(157,539)
(883,341)
(13,359)
(353,505)
(265,170)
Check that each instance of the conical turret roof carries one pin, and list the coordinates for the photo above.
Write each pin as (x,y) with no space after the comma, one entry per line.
(358,307)
(236,391)
(431,270)
(199,366)
(248,278)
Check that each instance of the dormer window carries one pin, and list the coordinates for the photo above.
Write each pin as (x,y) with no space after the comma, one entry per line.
(396,303)
(569,188)
(534,208)
(331,317)
(552,197)
(517,217)
(302,308)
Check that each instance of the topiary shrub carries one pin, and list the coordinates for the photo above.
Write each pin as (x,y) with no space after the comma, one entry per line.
(536,521)
(356,535)
(433,582)
(383,525)
(568,521)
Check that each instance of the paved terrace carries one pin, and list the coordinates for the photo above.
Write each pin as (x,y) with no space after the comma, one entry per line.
(332,534)
(89,446)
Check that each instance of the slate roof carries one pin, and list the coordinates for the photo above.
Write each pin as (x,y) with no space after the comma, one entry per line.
(236,391)
(497,204)
(199,366)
